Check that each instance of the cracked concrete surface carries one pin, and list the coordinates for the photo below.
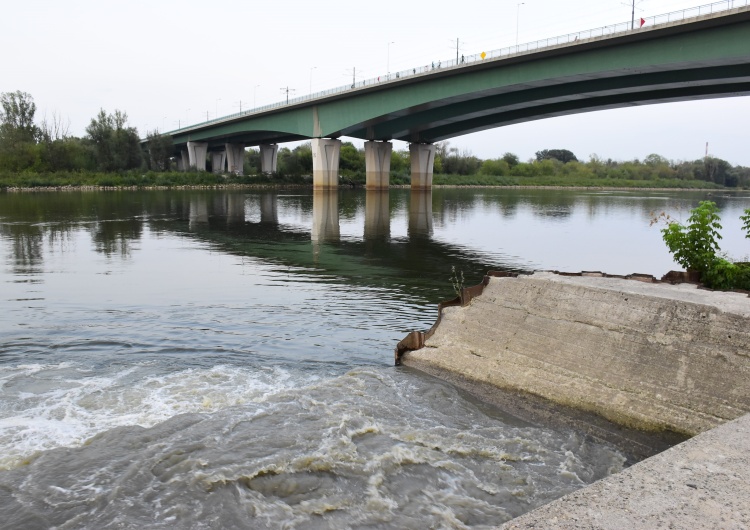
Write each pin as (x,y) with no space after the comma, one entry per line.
(650,356)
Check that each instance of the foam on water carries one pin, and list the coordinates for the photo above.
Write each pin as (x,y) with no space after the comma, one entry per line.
(62,405)
(370,448)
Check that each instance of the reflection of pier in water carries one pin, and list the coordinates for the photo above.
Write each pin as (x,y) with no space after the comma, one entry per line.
(326,225)
(325,213)
(342,233)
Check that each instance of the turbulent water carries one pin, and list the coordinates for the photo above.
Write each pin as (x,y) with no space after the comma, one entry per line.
(192,359)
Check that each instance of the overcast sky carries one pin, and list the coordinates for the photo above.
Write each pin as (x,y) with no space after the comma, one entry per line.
(166,62)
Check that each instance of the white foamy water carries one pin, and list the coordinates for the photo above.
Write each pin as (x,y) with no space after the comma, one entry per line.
(43,407)
(367,448)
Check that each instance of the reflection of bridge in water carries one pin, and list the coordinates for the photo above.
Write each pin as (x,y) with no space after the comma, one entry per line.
(257,225)
(386,239)
(325,213)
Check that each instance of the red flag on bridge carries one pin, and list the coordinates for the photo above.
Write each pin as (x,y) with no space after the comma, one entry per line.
(642,22)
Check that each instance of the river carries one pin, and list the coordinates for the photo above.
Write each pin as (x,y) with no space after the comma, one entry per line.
(224,359)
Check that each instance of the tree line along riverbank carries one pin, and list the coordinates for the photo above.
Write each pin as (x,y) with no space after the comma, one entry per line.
(43,154)
(165,180)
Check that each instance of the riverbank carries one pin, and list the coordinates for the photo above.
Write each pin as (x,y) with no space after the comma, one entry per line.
(63,181)
(597,353)
(309,186)
(643,354)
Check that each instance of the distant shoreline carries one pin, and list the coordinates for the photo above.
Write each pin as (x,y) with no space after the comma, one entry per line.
(309,186)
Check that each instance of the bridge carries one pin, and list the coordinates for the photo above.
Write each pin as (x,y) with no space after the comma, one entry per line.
(693,54)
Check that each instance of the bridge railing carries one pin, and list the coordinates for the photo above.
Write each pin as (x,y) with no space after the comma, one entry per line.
(509,51)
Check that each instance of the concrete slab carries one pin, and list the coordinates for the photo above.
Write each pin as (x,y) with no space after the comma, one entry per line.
(649,356)
(699,484)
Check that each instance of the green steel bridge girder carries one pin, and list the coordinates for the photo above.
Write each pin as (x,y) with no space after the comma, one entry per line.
(708,58)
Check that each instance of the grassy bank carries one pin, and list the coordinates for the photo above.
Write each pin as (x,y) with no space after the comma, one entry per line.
(569,181)
(151,179)
(136,179)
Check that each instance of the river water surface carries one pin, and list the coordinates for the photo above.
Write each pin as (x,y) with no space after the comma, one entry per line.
(223,359)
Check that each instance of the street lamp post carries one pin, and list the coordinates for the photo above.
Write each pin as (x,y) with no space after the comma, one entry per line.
(216,109)
(255,88)
(518,14)
(388,63)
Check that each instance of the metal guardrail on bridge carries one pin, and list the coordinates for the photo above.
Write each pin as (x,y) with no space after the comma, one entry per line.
(509,51)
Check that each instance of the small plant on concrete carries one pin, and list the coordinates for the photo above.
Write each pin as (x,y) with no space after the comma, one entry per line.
(457,281)
(696,247)
(746,220)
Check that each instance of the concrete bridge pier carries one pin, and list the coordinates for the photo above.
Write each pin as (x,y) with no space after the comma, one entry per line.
(422,162)
(183,162)
(235,157)
(325,152)
(218,159)
(378,164)
(268,157)
(197,152)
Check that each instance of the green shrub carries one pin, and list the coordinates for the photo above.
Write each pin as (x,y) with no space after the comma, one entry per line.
(696,246)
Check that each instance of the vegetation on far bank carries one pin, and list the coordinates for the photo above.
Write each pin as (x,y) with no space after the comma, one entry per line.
(34,155)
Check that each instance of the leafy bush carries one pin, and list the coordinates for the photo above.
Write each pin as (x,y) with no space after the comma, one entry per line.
(696,248)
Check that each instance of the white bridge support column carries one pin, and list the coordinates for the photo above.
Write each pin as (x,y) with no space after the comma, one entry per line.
(268,156)
(218,159)
(197,155)
(325,154)
(235,158)
(183,162)
(377,164)
(422,162)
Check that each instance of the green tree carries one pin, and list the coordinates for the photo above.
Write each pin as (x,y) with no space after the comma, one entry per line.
(715,170)
(352,162)
(18,133)
(116,146)
(563,155)
(498,167)
(400,164)
(304,157)
(160,149)
(252,161)
(17,118)
(511,159)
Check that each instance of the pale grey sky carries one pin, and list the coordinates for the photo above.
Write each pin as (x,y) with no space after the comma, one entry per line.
(165,61)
